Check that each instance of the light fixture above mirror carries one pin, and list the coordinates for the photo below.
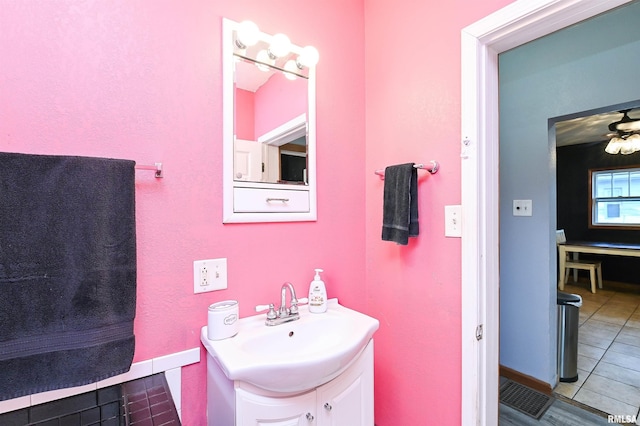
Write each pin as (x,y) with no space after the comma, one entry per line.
(269,164)
(275,51)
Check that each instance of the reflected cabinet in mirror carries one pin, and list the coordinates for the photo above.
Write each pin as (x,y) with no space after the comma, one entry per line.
(269,136)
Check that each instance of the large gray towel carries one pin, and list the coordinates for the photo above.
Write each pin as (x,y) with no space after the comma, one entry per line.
(400,208)
(67,271)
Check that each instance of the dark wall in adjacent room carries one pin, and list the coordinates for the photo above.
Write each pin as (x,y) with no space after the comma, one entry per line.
(572,171)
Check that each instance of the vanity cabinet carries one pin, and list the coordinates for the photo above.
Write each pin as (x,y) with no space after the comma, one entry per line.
(346,400)
(253,409)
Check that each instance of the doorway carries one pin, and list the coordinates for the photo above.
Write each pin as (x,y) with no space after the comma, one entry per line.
(609,324)
(510,27)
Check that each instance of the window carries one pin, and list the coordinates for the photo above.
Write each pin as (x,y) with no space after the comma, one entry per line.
(615,198)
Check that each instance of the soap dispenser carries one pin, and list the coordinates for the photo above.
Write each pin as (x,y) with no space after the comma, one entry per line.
(317,295)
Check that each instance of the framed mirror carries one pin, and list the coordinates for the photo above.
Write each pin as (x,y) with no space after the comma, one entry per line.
(269,136)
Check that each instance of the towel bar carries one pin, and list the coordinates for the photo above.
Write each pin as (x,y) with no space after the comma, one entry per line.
(433,168)
(157,167)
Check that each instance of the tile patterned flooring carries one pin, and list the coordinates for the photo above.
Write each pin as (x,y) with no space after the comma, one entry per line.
(608,351)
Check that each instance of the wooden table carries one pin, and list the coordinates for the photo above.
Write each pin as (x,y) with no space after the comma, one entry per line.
(614,249)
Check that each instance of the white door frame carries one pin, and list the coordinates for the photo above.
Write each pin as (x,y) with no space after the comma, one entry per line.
(512,26)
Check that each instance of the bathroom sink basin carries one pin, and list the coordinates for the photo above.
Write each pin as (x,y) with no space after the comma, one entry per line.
(294,356)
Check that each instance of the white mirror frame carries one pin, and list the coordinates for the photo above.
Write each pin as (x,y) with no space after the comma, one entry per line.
(230,186)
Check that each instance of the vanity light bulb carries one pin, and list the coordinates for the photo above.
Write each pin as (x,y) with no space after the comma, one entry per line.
(280,45)
(290,69)
(309,56)
(263,57)
(248,33)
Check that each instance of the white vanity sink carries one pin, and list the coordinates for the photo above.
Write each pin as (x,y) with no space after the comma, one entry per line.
(294,356)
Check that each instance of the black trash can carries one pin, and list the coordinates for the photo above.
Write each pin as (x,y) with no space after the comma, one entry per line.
(568,321)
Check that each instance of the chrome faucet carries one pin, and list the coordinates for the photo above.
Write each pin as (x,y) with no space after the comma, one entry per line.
(283,314)
(293,309)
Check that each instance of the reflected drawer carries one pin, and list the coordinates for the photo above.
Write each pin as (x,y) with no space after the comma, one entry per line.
(260,200)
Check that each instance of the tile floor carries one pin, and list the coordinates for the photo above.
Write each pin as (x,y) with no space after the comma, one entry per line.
(608,351)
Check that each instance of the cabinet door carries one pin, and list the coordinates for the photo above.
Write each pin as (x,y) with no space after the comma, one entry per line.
(348,399)
(256,410)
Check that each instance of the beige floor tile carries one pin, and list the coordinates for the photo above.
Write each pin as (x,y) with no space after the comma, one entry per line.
(623,360)
(582,318)
(595,336)
(613,389)
(590,351)
(608,351)
(587,364)
(629,336)
(618,305)
(604,403)
(623,348)
(617,373)
(626,297)
(602,326)
(568,390)
(620,309)
(589,307)
(619,296)
(595,340)
(634,322)
(613,317)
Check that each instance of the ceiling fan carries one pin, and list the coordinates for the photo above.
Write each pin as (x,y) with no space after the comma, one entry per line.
(626,125)
(625,136)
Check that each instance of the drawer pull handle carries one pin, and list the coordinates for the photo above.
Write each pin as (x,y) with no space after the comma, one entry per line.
(284,200)
(310,417)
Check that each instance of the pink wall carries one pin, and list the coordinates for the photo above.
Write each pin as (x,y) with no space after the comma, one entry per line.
(141,79)
(245,113)
(412,75)
(278,101)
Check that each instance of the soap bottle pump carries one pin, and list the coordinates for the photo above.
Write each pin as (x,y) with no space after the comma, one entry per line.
(317,295)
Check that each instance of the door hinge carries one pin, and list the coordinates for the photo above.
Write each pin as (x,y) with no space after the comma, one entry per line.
(262,167)
(479,332)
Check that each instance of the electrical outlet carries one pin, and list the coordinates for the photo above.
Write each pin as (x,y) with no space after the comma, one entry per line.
(209,275)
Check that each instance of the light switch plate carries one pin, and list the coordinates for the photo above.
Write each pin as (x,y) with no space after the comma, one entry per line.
(209,275)
(522,207)
(453,221)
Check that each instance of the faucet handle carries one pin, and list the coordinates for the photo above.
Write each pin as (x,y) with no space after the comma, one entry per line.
(296,302)
(272,310)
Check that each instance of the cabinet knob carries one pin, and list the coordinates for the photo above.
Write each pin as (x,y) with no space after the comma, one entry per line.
(310,417)
(327,406)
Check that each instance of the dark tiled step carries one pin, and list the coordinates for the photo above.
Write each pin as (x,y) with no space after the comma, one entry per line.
(142,402)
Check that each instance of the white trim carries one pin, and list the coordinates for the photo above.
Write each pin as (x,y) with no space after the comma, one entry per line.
(138,370)
(287,132)
(174,380)
(512,26)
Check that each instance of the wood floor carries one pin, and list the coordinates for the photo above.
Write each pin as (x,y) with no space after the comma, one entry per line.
(559,414)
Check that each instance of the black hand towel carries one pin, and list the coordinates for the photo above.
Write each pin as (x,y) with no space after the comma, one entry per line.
(400,209)
(67,271)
